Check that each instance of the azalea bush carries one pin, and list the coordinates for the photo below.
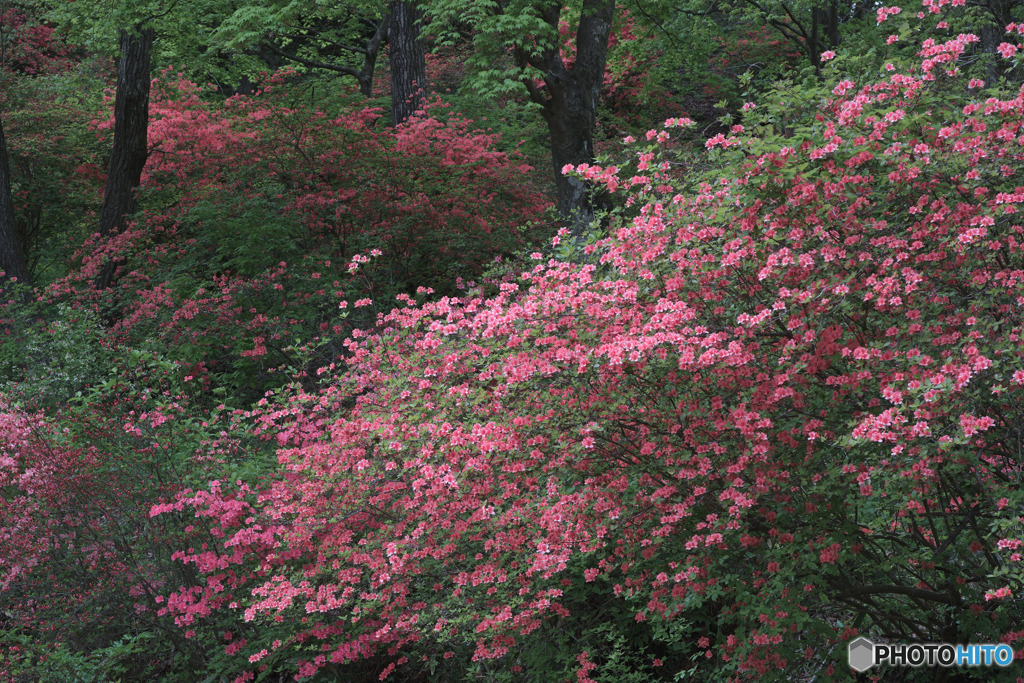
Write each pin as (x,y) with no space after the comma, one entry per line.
(85,565)
(433,195)
(237,275)
(82,561)
(768,410)
(30,46)
(773,404)
(255,212)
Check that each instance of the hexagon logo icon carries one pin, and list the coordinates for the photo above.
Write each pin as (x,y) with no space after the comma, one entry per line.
(861,654)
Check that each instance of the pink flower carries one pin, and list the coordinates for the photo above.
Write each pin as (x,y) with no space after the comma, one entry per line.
(830,554)
(999,594)
(883,13)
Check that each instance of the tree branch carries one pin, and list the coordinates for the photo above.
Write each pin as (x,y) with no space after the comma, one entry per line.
(347,70)
(881,589)
(350,48)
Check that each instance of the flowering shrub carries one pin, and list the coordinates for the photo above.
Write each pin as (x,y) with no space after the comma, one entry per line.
(30,46)
(771,407)
(254,209)
(82,562)
(85,566)
(767,411)
(234,269)
(433,194)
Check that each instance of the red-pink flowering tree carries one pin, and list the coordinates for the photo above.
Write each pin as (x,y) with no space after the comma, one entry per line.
(769,410)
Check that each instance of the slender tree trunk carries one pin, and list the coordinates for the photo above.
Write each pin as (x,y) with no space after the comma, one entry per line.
(12,260)
(408,60)
(824,34)
(569,101)
(833,25)
(365,76)
(813,47)
(130,150)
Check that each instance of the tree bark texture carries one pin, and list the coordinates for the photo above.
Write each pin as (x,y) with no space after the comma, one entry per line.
(12,260)
(408,60)
(569,104)
(130,150)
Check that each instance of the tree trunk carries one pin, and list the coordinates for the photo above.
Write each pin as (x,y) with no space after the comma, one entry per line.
(824,34)
(571,118)
(408,60)
(130,150)
(12,260)
(569,105)
(365,76)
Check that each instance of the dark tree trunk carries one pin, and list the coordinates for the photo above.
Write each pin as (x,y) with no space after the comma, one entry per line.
(832,30)
(408,60)
(813,47)
(569,105)
(824,34)
(570,120)
(12,260)
(365,75)
(130,150)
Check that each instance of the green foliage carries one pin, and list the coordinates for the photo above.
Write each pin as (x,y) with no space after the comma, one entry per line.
(26,658)
(496,30)
(46,363)
(55,157)
(96,25)
(241,235)
(622,648)
(187,33)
